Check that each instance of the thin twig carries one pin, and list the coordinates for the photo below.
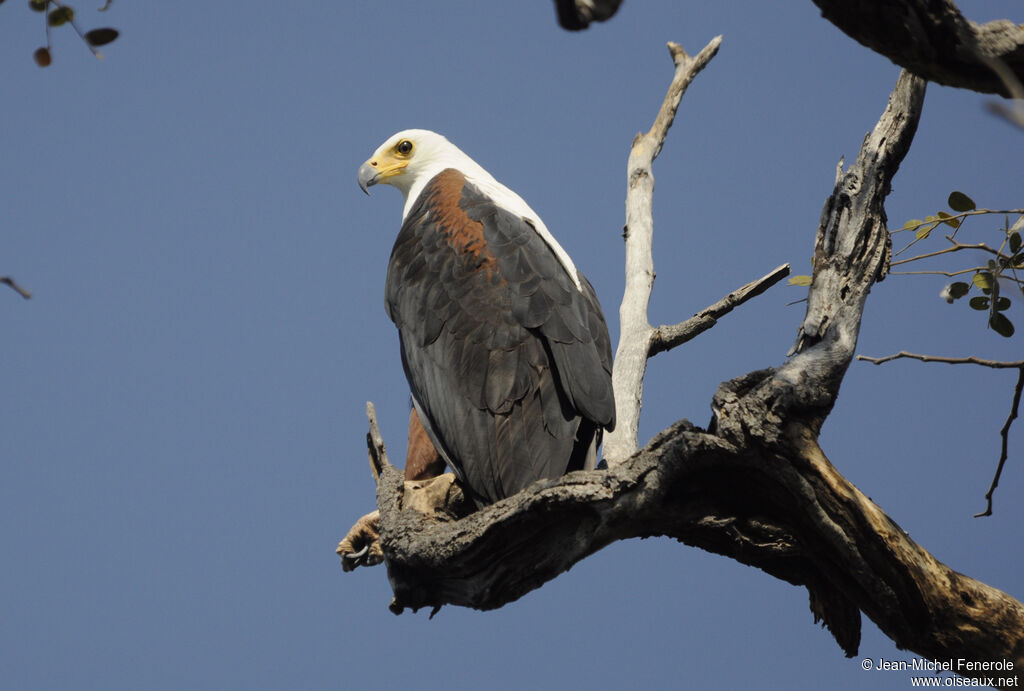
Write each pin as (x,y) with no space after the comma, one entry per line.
(78,31)
(1014,116)
(687,69)
(962,214)
(17,288)
(948,274)
(1003,453)
(1014,407)
(938,221)
(971,360)
(957,247)
(375,444)
(668,337)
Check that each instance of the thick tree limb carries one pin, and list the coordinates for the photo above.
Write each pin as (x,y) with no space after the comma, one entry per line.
(932,39)
(755,486)
(851,251)
(792,515)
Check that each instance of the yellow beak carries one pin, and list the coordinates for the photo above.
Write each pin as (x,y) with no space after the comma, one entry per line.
(379,170)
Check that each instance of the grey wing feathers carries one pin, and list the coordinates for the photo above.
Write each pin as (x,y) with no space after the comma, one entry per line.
(508,361)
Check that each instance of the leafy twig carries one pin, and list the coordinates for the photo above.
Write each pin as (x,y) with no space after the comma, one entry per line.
(957,246)
(65,14)
(910,225)
(936,272)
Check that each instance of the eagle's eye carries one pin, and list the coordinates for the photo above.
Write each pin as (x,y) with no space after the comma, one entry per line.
(404,147)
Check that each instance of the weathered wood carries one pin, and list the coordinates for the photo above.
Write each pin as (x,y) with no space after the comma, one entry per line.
(667,337)
(790,514)
(635,331)
(932,39)
(755,486)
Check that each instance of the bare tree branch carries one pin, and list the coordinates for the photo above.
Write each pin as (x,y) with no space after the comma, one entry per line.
(1003,450)
(932,39)
(1004,433)
(1014,116)
(970,360)
(755,486)
(635,331)
(789,513)
(375,443)
(668,337)
(17,288)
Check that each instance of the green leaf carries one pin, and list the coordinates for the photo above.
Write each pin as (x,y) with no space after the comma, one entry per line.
(958,290)
(913,224)
(101,37)
(60,16)
(983,279)
(38,5)
(1014,243)
(1001,325)
(1002,303)
(979,303)
(949,220)
(925,230)
(958,201)
(800,280)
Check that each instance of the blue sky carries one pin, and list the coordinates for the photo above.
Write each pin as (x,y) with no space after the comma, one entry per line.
(181,424)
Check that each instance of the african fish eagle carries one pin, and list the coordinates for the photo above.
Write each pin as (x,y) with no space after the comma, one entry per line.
(502,338)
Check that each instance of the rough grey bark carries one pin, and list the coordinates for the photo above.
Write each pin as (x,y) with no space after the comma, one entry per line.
(755,486)
(932,39)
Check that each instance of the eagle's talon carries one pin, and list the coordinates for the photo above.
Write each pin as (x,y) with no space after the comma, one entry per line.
(354,559)
(361,547)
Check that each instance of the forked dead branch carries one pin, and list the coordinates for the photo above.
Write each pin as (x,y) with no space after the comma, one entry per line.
(754,486)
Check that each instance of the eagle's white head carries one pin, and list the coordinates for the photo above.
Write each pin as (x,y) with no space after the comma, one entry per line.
(410,159)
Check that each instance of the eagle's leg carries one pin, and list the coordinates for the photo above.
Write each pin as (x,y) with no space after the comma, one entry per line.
(361,546)
(422,460)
